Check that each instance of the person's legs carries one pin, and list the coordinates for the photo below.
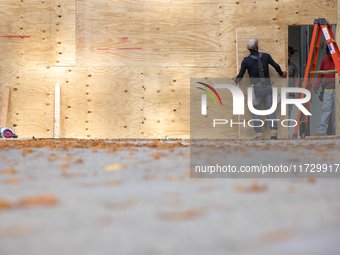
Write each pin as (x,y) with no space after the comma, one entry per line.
(326,111)
(290,108)
(334,110)
(260,92)
(268,102)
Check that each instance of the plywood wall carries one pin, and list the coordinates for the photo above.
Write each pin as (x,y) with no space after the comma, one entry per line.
(125,65)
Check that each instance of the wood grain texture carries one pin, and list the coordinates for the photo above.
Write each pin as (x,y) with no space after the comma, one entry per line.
(125,65)
(94,102)
(37,33)
(242,13)
(64,28)
(151,33)
(278,12)
(56,133)
(168,101)
(5,101)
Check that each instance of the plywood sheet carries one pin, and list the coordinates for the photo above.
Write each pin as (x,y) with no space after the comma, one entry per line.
(278,12)
(135,58)
(37,33)
(167,100)
(95,102)
(64,28)
(240,13)
(120,33)
(115,102)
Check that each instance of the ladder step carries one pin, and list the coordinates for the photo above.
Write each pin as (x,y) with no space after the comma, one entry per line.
(323,72)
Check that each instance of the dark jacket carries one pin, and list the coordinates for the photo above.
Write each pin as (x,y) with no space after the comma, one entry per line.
(251,65)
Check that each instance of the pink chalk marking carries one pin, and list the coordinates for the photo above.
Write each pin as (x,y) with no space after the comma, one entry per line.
(12,36)
(125,37)
(128,48)
(102,49)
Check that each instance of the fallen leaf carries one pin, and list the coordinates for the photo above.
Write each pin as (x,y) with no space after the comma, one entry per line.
(321,153)
(17,232)
(9,171)
(12,181)
(186,154)
(291,189)
(123,205)
(150,177)
(258,188)
(207,189)
(182,215)
(277,236)
(38,200)
(172,195)
(292,159)
(311,180)
(65,173)
(79,161)
(239,187)
(158,155)
(64,166)
(174,178)
(66,157)
(242,154)
(114,183)
(115,167)
(252,188)
(4,204)
(53,157)
(26,151)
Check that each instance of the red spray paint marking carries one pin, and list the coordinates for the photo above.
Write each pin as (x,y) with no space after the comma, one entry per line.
(102,49)
(125,37)
(128,48)
(12,36)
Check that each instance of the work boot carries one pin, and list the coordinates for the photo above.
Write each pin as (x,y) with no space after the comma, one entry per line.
(273,134)
(258,136)
(318,134)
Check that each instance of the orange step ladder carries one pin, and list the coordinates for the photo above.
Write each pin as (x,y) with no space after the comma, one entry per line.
(320,26)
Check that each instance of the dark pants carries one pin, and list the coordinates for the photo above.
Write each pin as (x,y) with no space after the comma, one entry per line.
(263,93)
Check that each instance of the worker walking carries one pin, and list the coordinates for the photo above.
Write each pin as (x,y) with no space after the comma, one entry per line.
(328,102)
(257,65)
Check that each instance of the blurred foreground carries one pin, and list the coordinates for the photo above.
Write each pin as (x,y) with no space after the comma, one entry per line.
(136,197)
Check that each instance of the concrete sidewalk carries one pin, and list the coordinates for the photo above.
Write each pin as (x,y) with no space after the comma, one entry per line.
(137,197)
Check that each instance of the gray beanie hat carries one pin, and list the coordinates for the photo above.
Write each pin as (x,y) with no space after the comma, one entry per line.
(252,44)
